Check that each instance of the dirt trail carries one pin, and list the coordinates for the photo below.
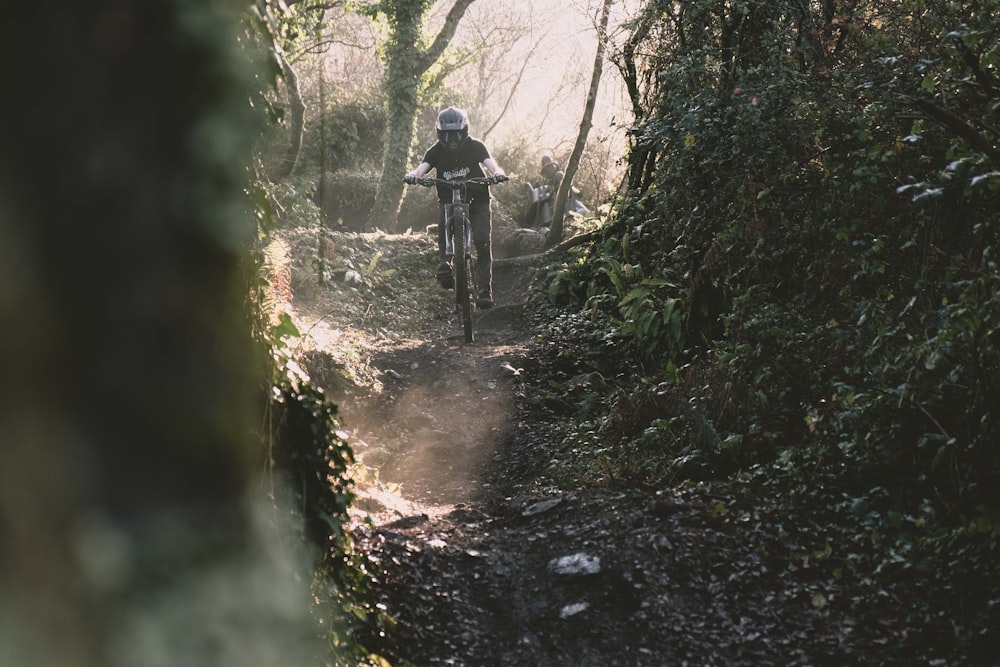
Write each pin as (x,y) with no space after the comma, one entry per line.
(470,553)
(484,561)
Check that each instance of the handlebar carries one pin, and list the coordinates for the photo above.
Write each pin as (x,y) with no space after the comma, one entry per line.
(461,182)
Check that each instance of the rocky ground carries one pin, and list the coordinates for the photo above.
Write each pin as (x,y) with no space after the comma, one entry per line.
(480,556)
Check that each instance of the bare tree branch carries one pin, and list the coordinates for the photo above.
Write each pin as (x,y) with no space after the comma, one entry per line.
(318,5)
(322,46)
(513,88)
(441,40)
(959,126)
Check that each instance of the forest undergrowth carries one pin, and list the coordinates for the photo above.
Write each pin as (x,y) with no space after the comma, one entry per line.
(458,528)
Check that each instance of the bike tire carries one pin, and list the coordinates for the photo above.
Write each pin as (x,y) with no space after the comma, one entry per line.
(463,278)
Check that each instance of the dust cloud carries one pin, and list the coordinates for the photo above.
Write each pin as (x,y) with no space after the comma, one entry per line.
(458,422)
(431,428)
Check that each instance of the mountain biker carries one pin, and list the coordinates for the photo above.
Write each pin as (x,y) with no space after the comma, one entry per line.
(457,155)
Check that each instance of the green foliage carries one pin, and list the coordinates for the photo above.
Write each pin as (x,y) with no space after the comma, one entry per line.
(307,455)
(639,312)
(293,203)
(297,23)
(308,462)
(802,277)
(349,137)
(312,456)
(308,446)
(772,226)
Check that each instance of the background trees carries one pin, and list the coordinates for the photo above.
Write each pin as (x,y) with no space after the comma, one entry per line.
(518,72)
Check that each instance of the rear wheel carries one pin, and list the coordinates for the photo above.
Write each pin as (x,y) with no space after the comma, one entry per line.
(463,273)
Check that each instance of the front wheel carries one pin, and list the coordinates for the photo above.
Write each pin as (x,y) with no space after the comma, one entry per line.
(463,273)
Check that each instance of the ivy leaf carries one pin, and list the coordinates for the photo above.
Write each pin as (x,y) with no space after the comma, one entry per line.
(976,180)
(284,327)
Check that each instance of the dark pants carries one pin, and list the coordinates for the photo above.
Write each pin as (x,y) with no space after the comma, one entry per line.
(480,218)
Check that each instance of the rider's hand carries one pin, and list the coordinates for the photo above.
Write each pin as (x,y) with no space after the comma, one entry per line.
(499,178)
(410,179)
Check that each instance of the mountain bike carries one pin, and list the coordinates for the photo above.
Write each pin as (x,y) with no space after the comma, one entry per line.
(458,234)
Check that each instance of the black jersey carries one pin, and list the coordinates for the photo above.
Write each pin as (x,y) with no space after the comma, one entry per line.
(462,162)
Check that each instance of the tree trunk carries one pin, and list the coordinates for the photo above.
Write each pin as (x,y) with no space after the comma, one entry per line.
(401,95)
(295,125)
(130,389)
(559,214)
